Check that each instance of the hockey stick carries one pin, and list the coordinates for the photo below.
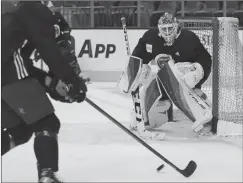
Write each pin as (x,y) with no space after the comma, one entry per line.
(187,172)
(123,20)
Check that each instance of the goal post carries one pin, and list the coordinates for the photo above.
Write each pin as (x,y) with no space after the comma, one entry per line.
(224,87)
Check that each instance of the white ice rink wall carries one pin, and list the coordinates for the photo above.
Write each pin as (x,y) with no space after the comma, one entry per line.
(102,52)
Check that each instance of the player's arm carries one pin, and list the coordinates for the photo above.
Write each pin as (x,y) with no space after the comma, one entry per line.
(64,39)
(39,74)
(42,35)
(140,50)
(203,58)
(37,21)
(65,29)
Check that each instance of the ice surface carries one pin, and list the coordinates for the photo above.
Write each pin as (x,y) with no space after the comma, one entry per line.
(92,148)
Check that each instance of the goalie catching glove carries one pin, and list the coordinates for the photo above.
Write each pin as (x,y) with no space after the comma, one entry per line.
(191,73)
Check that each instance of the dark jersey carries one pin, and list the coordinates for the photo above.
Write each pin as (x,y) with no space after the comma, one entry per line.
(65,40)
(186,48)
(32,23)
(65,30)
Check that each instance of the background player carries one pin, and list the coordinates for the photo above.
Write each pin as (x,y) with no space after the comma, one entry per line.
(26,108)
(169,41)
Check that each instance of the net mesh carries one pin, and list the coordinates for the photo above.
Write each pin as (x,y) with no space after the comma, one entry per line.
(228,71)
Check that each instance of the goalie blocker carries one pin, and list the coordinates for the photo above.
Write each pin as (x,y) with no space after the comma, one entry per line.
(129,77)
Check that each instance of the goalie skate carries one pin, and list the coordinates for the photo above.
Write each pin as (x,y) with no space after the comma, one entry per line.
(148,135)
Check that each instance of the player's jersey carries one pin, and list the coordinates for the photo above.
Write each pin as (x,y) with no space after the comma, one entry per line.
(64,27)
(65,40)
(32,23)
(186,48)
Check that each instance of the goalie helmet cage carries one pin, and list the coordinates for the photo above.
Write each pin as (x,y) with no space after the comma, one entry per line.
(224,87)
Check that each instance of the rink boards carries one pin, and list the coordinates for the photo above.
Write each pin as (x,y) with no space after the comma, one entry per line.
(103,58)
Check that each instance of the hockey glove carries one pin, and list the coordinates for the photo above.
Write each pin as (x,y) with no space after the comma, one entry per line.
(57,90)
(161,58)
(77,90)
(191,73)
(68,93)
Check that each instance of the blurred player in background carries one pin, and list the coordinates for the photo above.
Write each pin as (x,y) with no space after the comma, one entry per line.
(29,31)
(169,41)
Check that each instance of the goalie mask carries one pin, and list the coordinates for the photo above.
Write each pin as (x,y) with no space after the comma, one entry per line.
(168,28)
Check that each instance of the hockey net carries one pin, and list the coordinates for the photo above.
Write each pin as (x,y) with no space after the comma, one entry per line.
(224,87)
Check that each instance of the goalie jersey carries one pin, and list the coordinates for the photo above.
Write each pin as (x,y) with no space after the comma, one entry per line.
(186,48)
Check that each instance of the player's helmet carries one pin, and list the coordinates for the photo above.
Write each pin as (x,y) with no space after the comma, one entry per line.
(49,4)
(168,28)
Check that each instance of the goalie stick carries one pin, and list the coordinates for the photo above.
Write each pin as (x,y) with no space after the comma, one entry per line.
(123,21)
(187,172)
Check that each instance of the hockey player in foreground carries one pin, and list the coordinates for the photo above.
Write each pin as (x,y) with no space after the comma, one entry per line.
(184,65)
(26,109)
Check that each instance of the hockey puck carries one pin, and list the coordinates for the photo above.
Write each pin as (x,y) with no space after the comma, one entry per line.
(160,167)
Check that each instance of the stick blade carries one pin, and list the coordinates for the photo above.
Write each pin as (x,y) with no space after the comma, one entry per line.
(190,169)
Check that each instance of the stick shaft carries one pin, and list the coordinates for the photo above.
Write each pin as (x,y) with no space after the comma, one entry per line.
(132,134)
(123,20)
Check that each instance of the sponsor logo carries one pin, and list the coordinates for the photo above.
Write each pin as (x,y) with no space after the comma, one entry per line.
(99,49)
(149,48)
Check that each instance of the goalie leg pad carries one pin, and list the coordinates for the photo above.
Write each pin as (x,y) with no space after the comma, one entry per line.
(146,98)
(158,114)
(199,124)
(154,111)
(187,100)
